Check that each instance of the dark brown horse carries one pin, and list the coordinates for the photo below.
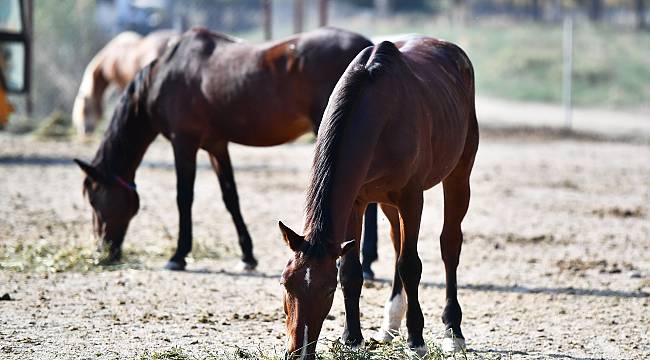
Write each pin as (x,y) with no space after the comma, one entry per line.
(207,90)
(398,122)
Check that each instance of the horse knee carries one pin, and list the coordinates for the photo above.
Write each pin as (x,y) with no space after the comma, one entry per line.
(410,268)
(351,276)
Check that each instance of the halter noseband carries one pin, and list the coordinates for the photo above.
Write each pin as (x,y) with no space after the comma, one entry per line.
(125,184)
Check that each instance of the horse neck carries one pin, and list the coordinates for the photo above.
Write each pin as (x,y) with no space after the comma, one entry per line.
(352,159)
(125,143)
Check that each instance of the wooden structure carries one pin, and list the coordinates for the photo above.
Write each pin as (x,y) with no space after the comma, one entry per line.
(16,37)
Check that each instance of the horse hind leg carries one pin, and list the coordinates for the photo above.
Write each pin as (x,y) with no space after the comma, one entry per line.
(395,307)
(369,248)
(409,266)
(220,160)
(456,198)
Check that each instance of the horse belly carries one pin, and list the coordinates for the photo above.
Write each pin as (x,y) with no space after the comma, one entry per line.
(269,131)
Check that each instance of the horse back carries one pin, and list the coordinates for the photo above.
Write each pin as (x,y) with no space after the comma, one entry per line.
(426,96)
(446,79)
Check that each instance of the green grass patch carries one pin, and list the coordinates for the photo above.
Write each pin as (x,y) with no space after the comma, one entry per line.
(396,350)
(523,60)
(43,256)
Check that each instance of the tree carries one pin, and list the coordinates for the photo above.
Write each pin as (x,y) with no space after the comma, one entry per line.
(535,10)
(640,14)
(596,10)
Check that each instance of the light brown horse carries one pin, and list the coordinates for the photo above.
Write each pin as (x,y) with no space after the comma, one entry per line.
(116,63)
(398,122)
(205,91)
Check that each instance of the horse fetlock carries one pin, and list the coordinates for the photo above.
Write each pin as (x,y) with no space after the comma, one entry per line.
(452,314)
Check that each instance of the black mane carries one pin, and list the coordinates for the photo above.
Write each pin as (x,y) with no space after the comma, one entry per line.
(116,150)
(343,102)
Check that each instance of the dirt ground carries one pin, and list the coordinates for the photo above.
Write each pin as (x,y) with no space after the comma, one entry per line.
(555,264)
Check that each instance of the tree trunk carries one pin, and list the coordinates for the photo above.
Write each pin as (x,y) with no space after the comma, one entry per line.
(383,7)
(535,10)
(640,14)
(596,10)
(460,11)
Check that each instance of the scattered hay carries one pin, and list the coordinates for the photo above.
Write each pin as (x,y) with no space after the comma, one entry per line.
(624,213)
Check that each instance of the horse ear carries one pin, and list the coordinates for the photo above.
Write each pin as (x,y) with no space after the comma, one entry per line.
(347,246)
(292,239)
(90,170)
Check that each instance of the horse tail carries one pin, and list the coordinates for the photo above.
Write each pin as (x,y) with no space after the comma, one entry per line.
(87,92)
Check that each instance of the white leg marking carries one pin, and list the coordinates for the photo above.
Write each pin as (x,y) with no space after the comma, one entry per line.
(242,266)
(452,345)
(305,343)
(394,311)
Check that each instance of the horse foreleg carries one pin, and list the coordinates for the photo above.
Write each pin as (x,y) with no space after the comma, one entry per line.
(351,281)
(409,266)
(457,194)
(220,160)
(369,245)
(395,307)
(185,161)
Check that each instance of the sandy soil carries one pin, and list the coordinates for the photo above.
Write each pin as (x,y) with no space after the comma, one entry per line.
(556,262)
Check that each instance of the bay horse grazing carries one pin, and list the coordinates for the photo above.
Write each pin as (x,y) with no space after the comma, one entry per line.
(116,63)
(398,122)
(207,90)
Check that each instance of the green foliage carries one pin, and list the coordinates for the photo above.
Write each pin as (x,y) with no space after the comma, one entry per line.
(410,5)
(44,256)
(396,350)
(523,60)
(66,38)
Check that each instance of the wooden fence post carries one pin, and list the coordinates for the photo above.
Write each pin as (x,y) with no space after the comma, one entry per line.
(267,10)
(322,12)
(298,14)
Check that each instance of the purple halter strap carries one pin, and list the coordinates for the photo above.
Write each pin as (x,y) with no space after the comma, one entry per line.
(126,184)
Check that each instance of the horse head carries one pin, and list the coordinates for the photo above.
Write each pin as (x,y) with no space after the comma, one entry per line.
(114,202)
(309,280)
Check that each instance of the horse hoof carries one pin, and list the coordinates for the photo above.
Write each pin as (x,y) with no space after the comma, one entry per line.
(246,266)
(452,345)
(385,335)
(420,351)
(358,346)
(368,275)
(174,266)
